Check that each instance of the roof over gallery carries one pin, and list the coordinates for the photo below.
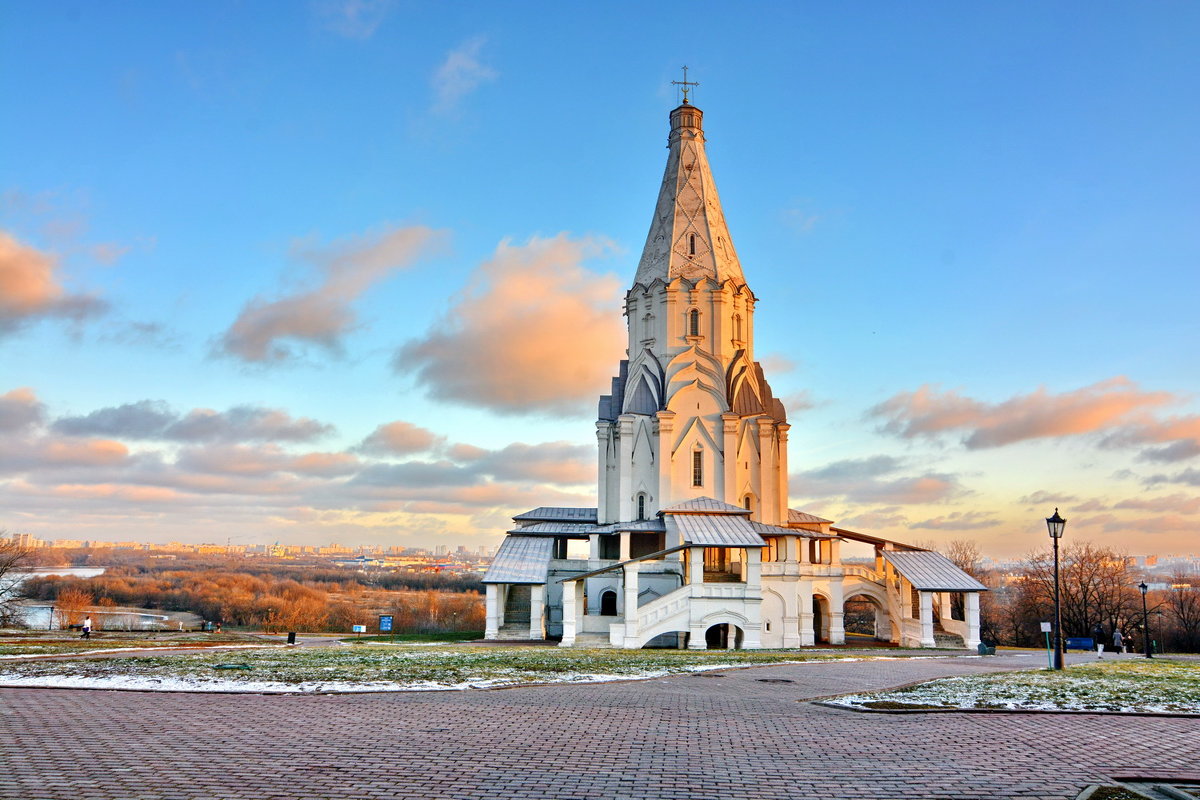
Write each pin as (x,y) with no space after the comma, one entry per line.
(521,559)
(558,514)
(797,516)
(555,529)
(705,505)
(714,530)
(928,571)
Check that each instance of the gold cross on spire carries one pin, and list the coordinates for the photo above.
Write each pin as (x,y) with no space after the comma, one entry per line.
(685,83)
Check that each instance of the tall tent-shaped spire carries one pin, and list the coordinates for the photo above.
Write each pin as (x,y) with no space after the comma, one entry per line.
(688,237)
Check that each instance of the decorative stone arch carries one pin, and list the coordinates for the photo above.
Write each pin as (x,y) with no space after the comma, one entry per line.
(822,611)
(608,603)
(856,619)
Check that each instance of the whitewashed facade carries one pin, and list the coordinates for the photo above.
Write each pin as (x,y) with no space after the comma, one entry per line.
(692,542)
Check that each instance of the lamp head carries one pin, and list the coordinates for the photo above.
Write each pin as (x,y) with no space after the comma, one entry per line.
(1143,587)
(1056,525)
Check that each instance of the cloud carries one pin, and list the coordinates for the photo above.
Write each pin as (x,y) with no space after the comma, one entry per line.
(929,412)
(268,331)
(1177,503)
(1190,477)
(549,462)
(20,409)
(886,517)
(959,521)
(22,456)
(30,288)
(533,332)
(1044,498)
(400,438)
(267,459)
(1179,437)
(459,74)
(151,419)
(353,19)
(796,402)
(868,480)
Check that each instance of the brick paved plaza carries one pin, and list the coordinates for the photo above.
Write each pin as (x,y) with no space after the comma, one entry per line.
(679,737)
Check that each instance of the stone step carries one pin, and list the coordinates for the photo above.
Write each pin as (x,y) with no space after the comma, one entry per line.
(513,631)
(948,640)
(592,640)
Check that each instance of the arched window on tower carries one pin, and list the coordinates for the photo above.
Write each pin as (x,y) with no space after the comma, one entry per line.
(692,244)
(694,322)
(697,468)
(748,502)
(641,506)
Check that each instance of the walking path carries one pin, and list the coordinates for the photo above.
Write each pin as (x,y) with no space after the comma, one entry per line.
(735,734)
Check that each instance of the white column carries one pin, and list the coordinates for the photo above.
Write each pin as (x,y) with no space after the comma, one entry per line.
(972,615)
(570,608)
(624,503)
(946,609)
(501,603)
(537,611)
(837,612)
(768,477)
(927,639)
(624,540)
(753,570)
(729,483)
(804,597)
(696,639)
(695,564)
(492,626)
(791,612)
(602,436)
(631,607)
(782,471)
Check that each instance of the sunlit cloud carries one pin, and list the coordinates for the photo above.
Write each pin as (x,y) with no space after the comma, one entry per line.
(549,462)
(20,409)
(151,419)
(31,288)
(929,412)
(1043,498)
(1177,503)
(264,459)
(534,332)
(959,521)
(269,331)
(875,480)
(400,438)
(461,73)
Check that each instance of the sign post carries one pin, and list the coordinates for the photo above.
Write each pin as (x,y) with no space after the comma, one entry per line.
(359,630)
(1046,630)
(385,626)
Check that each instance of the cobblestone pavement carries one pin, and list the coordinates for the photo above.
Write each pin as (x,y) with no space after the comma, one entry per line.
(693,736)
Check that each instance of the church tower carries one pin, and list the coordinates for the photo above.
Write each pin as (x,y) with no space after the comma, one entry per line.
(691,413)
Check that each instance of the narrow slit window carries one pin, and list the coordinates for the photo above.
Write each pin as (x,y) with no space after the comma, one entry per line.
(694,322)
(697,468)
(692,244)
(641,506)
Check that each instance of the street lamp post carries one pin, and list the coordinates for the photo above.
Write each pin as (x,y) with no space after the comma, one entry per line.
(1145,619)
(1056,525)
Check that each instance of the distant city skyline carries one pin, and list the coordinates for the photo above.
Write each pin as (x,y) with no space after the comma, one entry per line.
(307,272)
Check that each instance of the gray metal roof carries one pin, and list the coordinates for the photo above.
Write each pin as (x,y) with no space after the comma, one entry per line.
(774,530)
(655,524)
(795,515)
(556,529)
(715,530)
(932,572)
(521,559)
(559,514)
(704,505)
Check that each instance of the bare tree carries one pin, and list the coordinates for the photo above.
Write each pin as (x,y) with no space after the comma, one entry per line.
(13,557)
(1095,584)
(1181,605)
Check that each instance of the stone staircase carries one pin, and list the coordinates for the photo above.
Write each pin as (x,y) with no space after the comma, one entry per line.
(945,639)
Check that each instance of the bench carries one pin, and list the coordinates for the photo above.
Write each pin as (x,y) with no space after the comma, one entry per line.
(1080,643)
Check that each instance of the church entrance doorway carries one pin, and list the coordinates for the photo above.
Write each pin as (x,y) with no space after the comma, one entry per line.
(608,603)
(723,637)
(820,610)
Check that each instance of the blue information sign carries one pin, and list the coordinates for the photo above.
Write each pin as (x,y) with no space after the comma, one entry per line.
(385,623)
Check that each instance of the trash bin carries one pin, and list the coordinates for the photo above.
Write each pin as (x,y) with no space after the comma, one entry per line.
(291,637)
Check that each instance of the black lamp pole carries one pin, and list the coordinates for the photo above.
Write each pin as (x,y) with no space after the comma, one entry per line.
(1056,525)
(1145,619)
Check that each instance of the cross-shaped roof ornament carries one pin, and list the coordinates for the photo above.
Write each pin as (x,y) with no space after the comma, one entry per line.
(685,83)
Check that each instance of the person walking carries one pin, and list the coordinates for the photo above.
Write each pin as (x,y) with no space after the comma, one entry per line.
(1098,639)
(87,627)
(1118,641)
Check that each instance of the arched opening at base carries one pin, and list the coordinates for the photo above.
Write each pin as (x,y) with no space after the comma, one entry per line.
(865,617)
(608,603)
(724,636)
(820,610)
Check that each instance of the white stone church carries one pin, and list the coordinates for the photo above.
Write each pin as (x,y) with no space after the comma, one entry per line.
(692,543)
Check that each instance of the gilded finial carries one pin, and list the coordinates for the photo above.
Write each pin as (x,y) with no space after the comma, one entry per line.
(686,84)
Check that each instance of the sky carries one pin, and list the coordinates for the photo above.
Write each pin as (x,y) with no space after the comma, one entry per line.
(351,270)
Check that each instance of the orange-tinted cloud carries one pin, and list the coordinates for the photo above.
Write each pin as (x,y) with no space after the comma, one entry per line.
(959,521)
(1102,406)
(1177,503)
(30,288)
(151,419)
(534,332)
(400,438)
(20,409)
(269,330)
(874,480)
(1179,438)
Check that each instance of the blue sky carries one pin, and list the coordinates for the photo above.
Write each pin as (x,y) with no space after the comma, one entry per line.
(972,230)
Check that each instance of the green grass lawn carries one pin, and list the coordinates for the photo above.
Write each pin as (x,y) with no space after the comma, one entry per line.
(1130,684)
(380,666)
(456,636)
(60,643)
